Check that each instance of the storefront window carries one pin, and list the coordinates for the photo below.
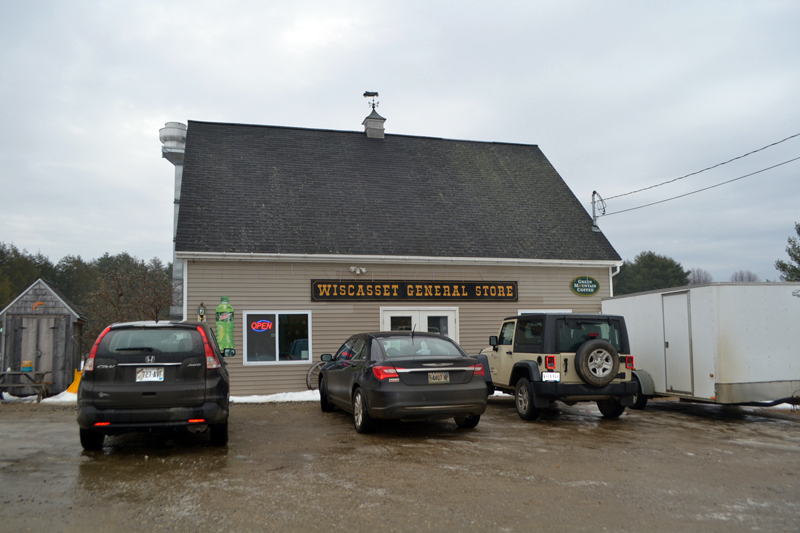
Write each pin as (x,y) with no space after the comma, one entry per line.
(277,337)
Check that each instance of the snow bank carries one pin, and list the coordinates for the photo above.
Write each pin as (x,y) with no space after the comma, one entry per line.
(304,396)
(69,397)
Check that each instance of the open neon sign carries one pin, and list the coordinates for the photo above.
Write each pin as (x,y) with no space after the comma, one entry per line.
(261,325)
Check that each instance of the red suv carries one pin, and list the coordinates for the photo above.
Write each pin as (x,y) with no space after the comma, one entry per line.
(145,376)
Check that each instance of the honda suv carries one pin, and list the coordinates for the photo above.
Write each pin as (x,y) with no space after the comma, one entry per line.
(145,376)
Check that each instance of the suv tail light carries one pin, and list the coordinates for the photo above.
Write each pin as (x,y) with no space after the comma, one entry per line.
(550,362)
(629,361)
(211,359)
(89,365)
(384,372)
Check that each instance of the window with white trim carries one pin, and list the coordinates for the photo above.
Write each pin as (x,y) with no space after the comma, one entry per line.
(276,337)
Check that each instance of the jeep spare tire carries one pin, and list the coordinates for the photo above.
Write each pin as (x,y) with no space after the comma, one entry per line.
(597,362)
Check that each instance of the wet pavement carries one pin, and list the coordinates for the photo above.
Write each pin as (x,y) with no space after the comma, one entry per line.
(290,467)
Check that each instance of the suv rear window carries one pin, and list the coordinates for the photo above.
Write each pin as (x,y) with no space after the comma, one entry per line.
(151,340)
(572,333)
(409,346)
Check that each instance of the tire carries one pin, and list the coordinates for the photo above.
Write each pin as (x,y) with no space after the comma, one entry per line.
(219,434)
(639,399)
(523,399)
(361,418)
(312,378)
(324,404)
(611,407)
(597,363)
(92,440)
(468,422)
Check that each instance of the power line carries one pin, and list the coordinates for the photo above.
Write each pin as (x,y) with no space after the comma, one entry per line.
(709,168)
(701,190)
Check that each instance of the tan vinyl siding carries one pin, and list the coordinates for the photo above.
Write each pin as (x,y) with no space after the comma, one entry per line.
(280,286)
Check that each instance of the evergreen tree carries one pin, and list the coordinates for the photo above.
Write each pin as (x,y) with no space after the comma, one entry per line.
(790,271)
(19,269)
(649,271)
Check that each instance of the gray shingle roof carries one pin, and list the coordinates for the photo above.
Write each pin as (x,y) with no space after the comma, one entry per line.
(267,189)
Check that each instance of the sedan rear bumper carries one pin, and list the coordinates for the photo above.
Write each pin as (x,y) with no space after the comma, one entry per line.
(432,401)
(135,419)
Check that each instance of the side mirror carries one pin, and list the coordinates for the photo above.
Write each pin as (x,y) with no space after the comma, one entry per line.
(493,341)
(228,352)
(326,357)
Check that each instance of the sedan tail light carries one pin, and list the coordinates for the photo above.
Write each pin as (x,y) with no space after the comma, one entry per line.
(89,365)
(477,370)
(384,372)
(211,359)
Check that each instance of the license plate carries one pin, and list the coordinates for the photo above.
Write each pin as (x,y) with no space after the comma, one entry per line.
(150,373)
(551,376)
(438,377)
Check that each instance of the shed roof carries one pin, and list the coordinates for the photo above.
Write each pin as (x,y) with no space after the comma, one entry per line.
(269,189)
(39,285)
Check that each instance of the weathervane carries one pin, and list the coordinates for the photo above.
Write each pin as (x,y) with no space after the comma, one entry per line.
(373,95)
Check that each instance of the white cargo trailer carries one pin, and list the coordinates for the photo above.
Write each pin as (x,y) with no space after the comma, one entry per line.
(728,343)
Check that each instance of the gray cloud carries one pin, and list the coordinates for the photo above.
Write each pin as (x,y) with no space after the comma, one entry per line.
(619,95)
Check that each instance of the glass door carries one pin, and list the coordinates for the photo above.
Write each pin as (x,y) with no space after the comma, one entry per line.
(442,320)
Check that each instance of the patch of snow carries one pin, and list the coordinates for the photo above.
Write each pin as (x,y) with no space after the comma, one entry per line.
(64,397)
(7,398)
(304,396)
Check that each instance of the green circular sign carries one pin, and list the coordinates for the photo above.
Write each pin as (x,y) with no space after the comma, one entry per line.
(585,286)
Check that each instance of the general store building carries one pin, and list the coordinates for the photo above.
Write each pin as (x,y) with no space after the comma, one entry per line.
(316,234)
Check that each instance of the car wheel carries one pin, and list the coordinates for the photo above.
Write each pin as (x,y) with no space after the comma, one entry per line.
(361,418)
(91,439)
(219,434)
(324,404)
(468,422)
(639,399)
(597,362)
(611,407)
(523,399)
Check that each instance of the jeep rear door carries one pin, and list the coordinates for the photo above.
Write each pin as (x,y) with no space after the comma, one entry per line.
(141,367)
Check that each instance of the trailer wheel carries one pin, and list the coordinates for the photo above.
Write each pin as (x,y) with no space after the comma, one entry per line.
(639,399)
(597,362)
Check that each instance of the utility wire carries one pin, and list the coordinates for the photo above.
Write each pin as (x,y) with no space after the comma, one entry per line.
(701,190)
(709,168)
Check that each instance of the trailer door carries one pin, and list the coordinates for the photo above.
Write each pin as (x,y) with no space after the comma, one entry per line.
(677,342)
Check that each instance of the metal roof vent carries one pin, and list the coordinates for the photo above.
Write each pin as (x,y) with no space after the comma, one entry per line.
(173,136)
(373,124)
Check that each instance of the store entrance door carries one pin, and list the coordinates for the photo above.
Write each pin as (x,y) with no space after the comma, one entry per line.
(443,320)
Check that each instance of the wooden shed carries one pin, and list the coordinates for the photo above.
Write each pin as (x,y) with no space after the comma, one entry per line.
(42,333)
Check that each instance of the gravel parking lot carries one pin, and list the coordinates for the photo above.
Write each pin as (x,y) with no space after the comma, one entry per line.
(290,467)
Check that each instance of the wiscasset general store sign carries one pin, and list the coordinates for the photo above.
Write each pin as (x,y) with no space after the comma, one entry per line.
(405,291)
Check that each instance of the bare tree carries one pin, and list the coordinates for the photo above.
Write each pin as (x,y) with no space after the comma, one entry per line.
(128,289)
(744,275)
(698,276)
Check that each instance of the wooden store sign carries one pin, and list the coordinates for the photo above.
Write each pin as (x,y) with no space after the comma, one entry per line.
(465,291)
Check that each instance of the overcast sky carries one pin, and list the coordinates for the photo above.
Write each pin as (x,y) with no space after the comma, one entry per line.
(618,95)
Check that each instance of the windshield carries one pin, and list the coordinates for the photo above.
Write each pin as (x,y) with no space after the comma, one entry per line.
(418,345)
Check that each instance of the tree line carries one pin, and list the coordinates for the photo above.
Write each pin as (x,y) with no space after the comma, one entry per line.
(111,288)
(123,288)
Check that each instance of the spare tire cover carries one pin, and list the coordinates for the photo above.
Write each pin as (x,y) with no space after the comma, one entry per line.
(597,362)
